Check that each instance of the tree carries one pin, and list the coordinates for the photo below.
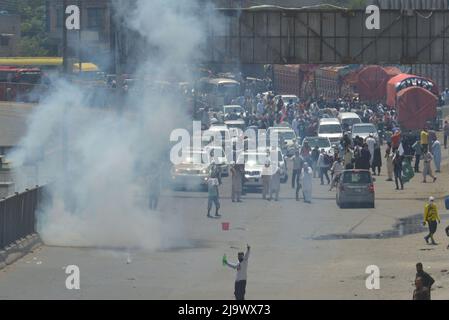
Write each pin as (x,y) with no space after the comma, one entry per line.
(34,40)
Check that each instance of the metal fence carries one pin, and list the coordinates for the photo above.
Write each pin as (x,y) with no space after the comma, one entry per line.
(18,216)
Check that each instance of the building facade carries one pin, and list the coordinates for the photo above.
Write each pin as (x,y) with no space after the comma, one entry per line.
(9,34)
(94,42)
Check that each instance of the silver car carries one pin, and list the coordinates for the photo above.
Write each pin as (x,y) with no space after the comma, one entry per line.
(191,173)
(355,187)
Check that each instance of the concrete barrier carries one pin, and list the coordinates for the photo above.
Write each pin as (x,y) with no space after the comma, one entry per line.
(19,249)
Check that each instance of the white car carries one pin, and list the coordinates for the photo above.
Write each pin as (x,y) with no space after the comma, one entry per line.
(192,172)
(236,109)
(321,142)
(254,162)
(348,119)
(363,130)
(285,134)
(286,98)
(280,159)
(330,128)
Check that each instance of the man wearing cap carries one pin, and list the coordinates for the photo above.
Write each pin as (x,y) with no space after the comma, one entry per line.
(431,217)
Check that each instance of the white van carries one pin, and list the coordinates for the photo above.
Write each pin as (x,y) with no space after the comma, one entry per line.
(348,119)
(330,128)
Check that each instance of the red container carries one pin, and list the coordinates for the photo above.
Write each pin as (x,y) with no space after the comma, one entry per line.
(225,226)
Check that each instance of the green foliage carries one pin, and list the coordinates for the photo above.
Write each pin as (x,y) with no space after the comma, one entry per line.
(34,41)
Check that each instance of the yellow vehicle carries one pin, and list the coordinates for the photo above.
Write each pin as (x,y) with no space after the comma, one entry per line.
(46,63)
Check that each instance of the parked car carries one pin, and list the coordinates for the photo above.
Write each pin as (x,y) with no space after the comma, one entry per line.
(355,187)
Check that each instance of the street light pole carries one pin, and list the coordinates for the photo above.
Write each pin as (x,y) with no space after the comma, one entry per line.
(80,61)
(65,62)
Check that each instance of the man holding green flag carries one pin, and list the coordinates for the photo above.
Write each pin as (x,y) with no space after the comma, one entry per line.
(241,267)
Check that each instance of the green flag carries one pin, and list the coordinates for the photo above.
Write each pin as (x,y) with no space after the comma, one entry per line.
(225,261)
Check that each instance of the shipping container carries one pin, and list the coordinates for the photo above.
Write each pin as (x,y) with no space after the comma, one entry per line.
(402,81)
(330,82)
(416,107)
(414,98)
(372,82)
(287,79)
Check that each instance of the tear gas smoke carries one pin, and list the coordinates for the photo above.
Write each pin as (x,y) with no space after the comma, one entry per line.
(101,201)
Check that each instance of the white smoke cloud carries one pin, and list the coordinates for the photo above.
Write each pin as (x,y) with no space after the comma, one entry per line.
(101,202)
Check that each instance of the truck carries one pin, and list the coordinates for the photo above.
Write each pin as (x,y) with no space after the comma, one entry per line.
(415,100)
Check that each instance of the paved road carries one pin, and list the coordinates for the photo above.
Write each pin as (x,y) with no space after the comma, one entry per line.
(286,262)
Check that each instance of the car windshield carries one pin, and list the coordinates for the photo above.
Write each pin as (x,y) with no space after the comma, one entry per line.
(228,89)
(233,109)
(350,121)
(258,159)
(195,157)
(287,99)
(287,135)
(321,143)
(366,128)
(330,128)
(357,177)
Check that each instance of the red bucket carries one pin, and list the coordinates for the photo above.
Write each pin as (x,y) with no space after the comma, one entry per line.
(225,226)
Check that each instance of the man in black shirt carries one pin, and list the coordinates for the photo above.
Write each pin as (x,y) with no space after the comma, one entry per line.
(427,280)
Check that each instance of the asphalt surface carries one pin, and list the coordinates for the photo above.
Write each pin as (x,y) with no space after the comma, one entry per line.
(299,251)
(289,261)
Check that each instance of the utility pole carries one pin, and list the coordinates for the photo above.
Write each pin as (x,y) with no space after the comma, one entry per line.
(118,44)
(65,62)
(80,58)
(64,122)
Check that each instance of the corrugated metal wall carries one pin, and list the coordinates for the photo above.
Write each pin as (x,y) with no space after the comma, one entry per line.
(410,4)
(437,72)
